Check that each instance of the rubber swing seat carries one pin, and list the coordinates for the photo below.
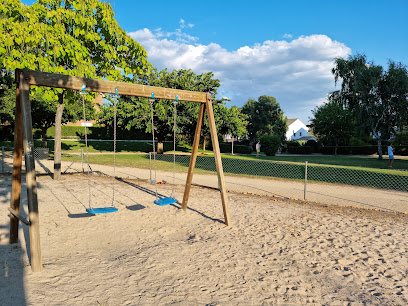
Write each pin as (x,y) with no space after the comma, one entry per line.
(165,201)
(101,210)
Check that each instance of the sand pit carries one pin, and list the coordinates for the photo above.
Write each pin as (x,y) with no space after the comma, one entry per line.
(275,252)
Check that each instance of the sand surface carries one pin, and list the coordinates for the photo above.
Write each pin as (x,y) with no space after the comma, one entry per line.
(275,252)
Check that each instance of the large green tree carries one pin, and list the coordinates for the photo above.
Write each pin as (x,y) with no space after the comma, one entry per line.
(376,98)
(265,116)
(75,37)
(136,112)
(333,122)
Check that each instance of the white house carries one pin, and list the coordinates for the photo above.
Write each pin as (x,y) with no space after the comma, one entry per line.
(297,130)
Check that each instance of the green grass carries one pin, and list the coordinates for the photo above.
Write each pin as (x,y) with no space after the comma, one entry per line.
(267,167)
(350,170)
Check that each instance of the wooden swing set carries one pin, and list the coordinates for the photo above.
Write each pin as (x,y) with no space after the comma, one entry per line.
(23,138)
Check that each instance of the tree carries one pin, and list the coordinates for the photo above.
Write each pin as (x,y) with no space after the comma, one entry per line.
(333,122)
(265,117)
(136,112)
(270,144)
(377,98)
(76,37)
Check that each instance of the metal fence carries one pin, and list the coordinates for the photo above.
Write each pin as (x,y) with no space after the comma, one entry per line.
(6,158)
(378,189)
(345,186)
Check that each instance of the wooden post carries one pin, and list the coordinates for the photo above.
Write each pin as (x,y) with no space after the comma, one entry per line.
(57,137)
(217,157)
(28,144)
(193,157)
(17,165)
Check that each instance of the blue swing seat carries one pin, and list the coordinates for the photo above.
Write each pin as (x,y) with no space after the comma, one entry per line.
(101,210)
(165,201)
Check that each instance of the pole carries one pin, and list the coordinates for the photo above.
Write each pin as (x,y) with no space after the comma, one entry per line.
(304,195)
(150,165)
(2,159)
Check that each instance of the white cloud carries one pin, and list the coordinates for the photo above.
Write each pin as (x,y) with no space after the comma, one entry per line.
(184,25)
(296,72)
(287,35)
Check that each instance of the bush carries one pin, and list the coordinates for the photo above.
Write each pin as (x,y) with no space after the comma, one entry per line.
(6,132)
(270,144)
(225,147)
(98,132)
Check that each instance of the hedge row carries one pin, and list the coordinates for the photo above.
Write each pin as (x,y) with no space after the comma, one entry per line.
(226,147)
(98,132)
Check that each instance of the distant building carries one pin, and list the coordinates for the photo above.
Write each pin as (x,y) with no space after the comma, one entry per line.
(297,130)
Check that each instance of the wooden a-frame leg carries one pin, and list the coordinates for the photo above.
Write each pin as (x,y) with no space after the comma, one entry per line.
(193,157)
(218,162)
(17,165)
(28,144)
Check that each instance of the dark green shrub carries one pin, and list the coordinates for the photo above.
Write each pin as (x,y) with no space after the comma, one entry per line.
(313,144)
(292,147)
(225,147)
(270,144)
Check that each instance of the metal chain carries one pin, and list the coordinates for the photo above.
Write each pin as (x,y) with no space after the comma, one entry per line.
(154,148)
(114,152)
(86,150)
(174,144)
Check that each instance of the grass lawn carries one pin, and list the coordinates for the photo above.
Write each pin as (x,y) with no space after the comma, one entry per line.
(350,170)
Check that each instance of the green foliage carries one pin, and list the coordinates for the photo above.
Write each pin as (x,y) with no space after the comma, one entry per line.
(98,132)
(332,122)
(400,143)
(376,98)
(136,112)
(270,144)
(74,37)
(265,117)
(225,147)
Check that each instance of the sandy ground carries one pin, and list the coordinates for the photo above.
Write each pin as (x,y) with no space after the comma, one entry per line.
(275,252)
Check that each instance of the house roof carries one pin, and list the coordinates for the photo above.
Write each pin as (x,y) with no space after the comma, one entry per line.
(290,121)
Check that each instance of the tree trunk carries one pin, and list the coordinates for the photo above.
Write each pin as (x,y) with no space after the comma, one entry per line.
(57,143)
(204,140)
(160,147)
(335,149)
(232,145)
(44,136)
(379,148)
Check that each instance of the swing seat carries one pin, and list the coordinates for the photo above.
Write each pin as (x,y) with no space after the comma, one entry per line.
(101,210)
(165,201)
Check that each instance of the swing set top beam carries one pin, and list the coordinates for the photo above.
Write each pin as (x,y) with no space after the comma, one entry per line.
(39,78)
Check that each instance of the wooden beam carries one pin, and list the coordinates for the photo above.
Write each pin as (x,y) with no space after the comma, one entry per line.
(218,161)
(17,165)
(193,157)
(28,144)
(20,217)
(38,78)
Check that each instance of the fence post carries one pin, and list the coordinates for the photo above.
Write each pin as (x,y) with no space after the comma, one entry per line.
(304,195)
(2,159)
(82,157)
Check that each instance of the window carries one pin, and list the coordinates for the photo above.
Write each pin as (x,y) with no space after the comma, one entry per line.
(300,133)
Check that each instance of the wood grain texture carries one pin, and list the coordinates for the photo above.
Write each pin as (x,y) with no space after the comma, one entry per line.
(37,78)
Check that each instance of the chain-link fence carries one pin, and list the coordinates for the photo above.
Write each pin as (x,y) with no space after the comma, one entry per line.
(6,158)
(340,185)
(346,186)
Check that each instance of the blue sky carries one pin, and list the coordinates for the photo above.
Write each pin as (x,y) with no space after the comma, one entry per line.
(280,48)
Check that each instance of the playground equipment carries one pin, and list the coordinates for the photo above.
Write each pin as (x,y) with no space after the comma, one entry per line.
(170,199)
(91,209)
(24,139)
